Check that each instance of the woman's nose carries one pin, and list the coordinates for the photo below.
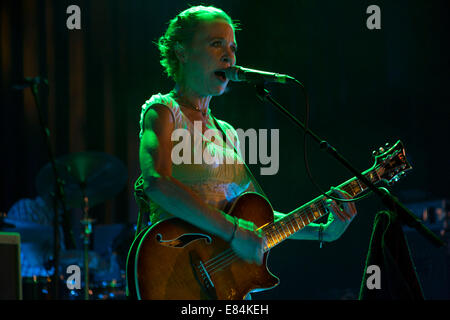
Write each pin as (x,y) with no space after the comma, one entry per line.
(226,59)
(229,57)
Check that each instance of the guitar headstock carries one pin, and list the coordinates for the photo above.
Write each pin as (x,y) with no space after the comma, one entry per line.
(391,163)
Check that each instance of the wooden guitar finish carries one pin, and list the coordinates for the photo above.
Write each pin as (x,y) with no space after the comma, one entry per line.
(176,260)
(180,248)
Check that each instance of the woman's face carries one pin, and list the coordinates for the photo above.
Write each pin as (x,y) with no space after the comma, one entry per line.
(213,48)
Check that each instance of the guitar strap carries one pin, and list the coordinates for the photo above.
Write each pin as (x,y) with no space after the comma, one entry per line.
(255,182)
(142,202)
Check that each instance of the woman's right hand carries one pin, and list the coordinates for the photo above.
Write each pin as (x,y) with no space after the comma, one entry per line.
(248,243)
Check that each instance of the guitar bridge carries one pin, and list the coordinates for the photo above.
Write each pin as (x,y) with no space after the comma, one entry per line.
(205,276)
(202,275)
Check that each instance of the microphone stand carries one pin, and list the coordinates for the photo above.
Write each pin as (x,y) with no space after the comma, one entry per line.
(87,223)
(59,193)
(390,201)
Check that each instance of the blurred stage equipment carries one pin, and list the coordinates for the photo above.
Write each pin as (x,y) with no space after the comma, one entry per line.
(10,275)
(36,241)
(73,181)
(96,176)
(58,195)
(432,264)
(87,179)
(412,268)
(32,220)
(389,251)
(106,258)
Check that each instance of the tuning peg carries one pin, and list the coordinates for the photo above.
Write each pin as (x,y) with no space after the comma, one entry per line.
(387,145)
(374,153)
(381,150)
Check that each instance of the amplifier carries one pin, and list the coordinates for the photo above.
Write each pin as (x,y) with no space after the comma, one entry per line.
(10,271)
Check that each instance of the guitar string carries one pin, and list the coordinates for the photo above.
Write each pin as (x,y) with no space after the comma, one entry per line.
(223,263)
(230,258)
(222,260)
(306,213)
(318,204)
(217,263)
(301,214)
(212,263)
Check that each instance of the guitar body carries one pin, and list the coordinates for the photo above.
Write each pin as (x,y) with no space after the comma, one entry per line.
(175,260)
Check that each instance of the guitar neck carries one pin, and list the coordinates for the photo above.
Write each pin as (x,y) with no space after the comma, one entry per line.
(282,229)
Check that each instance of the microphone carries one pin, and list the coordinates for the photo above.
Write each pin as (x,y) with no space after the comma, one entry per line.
(237,73)
(29,82)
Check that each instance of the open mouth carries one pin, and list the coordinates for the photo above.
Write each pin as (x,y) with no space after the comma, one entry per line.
(221,75)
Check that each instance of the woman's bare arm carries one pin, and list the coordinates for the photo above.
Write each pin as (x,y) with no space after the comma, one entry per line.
(179,200)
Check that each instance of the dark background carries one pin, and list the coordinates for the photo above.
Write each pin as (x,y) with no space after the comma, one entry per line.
(366,87)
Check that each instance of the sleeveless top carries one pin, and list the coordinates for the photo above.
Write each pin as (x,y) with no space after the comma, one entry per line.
(220,175)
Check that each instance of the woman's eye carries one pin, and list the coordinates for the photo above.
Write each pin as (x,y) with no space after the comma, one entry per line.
(218,44)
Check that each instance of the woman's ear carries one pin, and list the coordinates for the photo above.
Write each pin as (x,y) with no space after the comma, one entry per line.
(180,52)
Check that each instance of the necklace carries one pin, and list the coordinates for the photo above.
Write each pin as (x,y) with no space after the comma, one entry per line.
(188,104)
(184,104)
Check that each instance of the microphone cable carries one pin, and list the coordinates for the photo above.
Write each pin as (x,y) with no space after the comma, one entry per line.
(305,155)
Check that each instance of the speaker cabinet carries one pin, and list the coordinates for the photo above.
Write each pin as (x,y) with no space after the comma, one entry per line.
(10,273)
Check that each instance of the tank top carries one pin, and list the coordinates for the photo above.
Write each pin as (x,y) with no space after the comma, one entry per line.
(218,182)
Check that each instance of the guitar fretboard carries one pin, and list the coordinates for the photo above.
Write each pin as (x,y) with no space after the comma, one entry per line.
(282,229)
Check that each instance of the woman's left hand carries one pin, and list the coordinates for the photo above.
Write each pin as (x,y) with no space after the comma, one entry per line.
(341,214)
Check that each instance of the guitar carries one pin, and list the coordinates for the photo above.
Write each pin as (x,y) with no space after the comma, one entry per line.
(173,259)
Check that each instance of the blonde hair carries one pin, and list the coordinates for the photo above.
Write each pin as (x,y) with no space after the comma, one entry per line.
(181,30)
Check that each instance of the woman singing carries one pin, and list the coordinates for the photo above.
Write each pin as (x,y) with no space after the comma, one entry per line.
(197,46)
